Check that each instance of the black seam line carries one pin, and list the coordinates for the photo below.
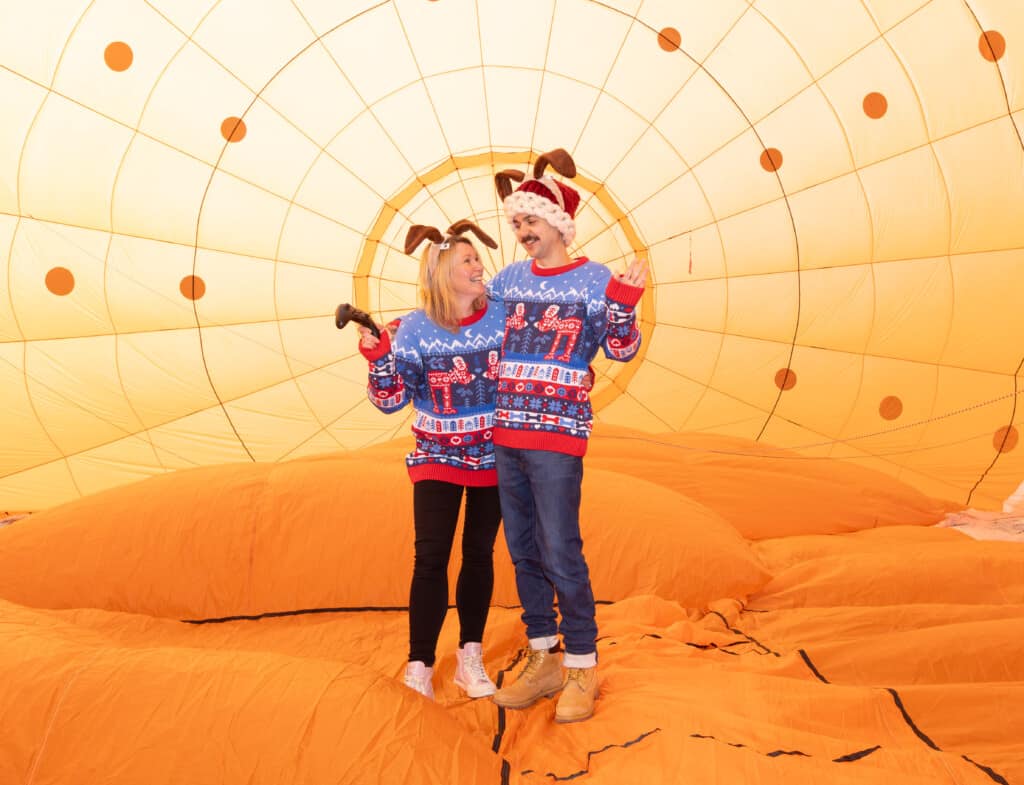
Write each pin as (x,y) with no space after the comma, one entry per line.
(848,758)
(992,774)
(995,776)
(740,745)
(308,611)
(999,451)
(750,638)
(303,612)
(807,660)
(499,734)
(906,717)
(856,755)
(736,744)
(590,754)
(506,771)
(715,647)
(701,646)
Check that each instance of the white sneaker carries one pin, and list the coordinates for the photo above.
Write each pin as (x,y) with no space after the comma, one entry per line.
(419,677)
(470,673)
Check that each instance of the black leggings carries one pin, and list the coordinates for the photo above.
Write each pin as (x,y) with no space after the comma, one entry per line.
(436,512)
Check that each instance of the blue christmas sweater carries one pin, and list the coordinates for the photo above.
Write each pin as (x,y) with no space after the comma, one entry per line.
(450,378)
(556,320)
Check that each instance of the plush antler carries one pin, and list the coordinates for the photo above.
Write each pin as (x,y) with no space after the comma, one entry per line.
(559,160)
(502,181)
(418,233)
(459,227)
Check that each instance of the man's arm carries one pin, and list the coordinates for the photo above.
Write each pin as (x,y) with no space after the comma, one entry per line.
(622,338)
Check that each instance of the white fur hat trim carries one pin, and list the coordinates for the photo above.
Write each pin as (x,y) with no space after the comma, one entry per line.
(519,202)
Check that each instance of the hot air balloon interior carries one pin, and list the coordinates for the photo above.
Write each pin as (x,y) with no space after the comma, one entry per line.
(803,501)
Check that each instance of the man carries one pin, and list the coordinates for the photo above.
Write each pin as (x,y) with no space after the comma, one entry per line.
(559,312)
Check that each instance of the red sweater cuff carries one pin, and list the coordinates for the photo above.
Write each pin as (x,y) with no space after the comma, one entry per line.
(623,292)
(381,349)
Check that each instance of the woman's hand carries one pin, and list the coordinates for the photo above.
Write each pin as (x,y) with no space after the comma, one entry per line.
(367,340)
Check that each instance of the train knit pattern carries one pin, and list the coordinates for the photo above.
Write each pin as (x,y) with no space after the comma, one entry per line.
(450,379)
(556,321)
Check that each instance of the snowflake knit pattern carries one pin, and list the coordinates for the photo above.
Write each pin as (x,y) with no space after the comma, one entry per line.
(556,320)
(451,379)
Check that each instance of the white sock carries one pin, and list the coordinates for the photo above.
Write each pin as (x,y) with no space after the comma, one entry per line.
(543,644)
(579,660)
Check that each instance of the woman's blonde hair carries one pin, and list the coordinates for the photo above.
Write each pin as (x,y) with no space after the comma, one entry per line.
(436,290)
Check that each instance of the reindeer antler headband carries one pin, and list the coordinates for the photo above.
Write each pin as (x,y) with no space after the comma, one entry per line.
(542,195)
(418,233)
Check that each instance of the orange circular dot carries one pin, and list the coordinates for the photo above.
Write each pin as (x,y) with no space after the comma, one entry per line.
(771,159)
(785,379)
(875,105)
(233,129)
(992,45)
(118,56)
(193,287)
(60,281)
(1005,439)
(890,408)
(669,39)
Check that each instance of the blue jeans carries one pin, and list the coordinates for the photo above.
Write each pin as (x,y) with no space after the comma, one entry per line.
(540,504)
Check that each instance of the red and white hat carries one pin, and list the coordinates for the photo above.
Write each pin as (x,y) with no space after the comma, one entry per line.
(542,195)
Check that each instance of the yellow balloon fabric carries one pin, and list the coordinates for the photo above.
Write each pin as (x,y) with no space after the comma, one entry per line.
(831,210)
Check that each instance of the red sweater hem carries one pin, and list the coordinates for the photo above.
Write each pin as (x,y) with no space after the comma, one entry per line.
(540,440)
(474,478)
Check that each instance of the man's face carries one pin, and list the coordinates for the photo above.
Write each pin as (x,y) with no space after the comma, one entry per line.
(536,235)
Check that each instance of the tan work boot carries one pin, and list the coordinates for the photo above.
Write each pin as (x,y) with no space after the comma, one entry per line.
(540,677)
(577,699)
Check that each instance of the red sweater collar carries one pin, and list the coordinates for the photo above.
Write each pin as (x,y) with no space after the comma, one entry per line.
(476,316)
(577,262)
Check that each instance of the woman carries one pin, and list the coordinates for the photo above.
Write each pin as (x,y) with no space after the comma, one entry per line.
(444,360)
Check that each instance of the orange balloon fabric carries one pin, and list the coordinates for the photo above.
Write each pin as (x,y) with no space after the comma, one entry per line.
(246,624)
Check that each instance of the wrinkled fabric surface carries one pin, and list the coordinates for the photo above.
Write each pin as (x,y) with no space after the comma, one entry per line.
(245,624)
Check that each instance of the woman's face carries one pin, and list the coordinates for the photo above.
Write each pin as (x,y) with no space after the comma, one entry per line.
(467,272)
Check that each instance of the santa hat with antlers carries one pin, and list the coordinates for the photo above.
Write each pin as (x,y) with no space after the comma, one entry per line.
(542,195)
